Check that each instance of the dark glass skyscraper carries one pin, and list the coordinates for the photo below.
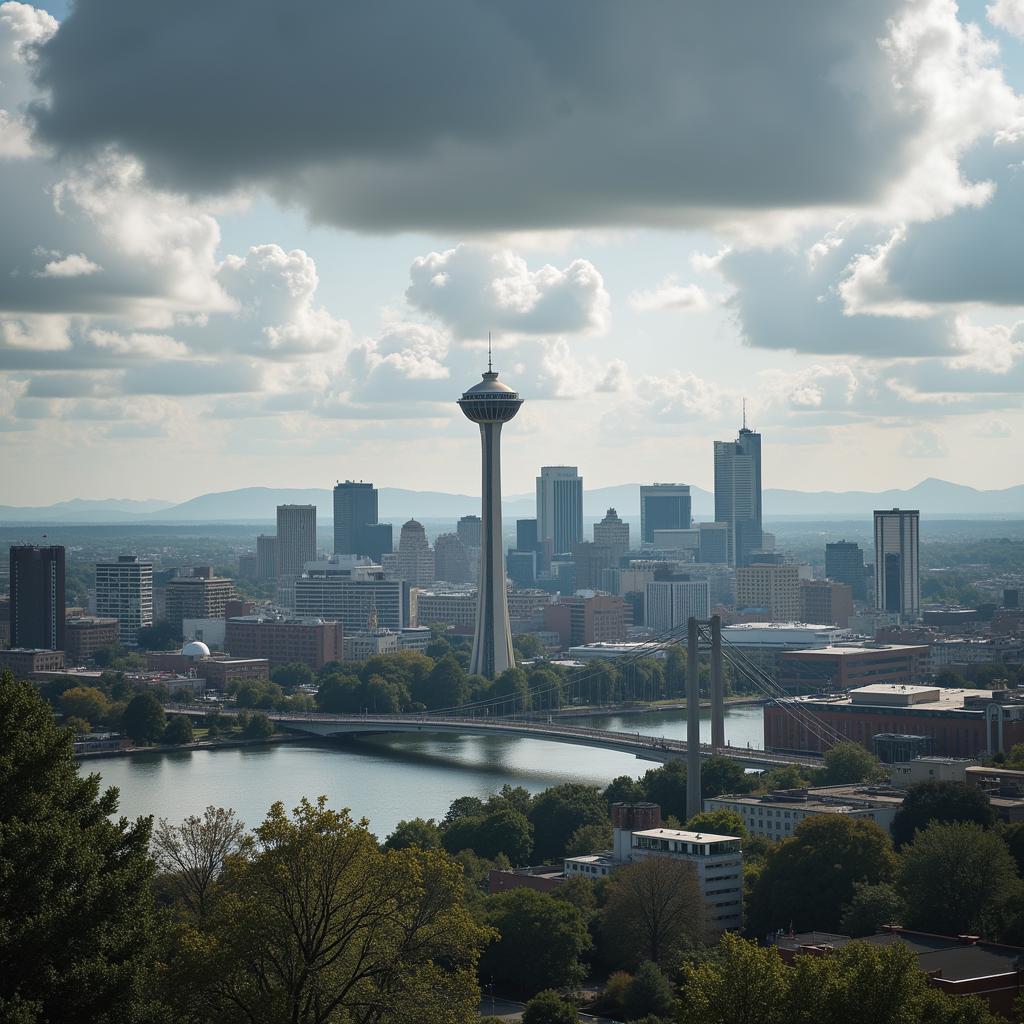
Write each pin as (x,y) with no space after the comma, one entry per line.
(897,568)
(738,493)
(664,507)
(37,597)
(844,563)
(356,530)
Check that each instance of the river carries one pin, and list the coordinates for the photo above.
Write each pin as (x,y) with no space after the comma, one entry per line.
(387,778)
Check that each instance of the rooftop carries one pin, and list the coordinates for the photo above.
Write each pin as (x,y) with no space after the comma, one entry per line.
(917,698)
(685,837)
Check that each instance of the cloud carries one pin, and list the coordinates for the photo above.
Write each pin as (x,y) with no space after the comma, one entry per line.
(1007,15)
(479,117)
(474,289)
(75,264)
(670,296)
(923,443)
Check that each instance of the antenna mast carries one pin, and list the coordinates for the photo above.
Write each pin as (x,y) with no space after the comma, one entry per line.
(744,414)
(489,369)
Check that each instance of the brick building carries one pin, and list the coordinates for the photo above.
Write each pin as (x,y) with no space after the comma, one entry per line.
(199,596)
(281,641)
(773,588)
(826,601)
(952,722)
(24,661)
(84,635)
(588,620)
(847,666)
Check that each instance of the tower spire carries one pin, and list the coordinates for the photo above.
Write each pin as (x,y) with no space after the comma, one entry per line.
(490,369)
(744,414)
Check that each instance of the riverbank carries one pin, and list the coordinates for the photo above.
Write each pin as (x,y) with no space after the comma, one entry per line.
(171,748)
(649,708)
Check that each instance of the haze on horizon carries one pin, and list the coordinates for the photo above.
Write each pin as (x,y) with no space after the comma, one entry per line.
(249,245)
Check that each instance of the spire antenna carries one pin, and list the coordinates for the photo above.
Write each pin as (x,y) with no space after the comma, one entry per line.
(744,414)
(489,368)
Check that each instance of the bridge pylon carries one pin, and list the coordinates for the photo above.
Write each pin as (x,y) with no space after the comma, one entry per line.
(693,799)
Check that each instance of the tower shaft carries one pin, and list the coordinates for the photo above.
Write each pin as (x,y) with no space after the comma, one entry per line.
(492,640)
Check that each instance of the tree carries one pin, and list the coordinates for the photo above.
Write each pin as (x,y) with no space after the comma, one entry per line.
(719,822)
(161,636)
(446,685)
(559,811)
(463,807)
(77,926)
(548,1007)
(589,839)
(526,646)
(666,786)
(259,727)
(943,802)
(178,730)
(720,775)
(871,907)
(654,910)
(624,790)
(540,941)
(193,854)
(488,835)
(1013,836)
(340,694)
(849,762)
(649,992)
(743,984)
(85,702)
(956,878)
(317,924)
(809,877)
(421,832)
(144,719)
(293,675)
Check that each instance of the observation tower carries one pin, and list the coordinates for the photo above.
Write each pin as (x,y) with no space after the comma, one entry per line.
(490,404)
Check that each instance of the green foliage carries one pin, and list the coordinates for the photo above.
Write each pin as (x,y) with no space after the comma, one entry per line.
(502,831)
(340,694)
(649,993)
(144,719)
(720,775)
(808,878)
(559,811)
(719,822)
(789,776)
(446,685)
(161,636)
(463,807)
(956,878)
(548,1007)
(293,675)
(178,730)
(666,786)
(943,802)
(77,927)
(421,832)
(86,702)
(317,924)
(589,839)
(527,646)
(624,790)
(849,762)
(1013,836)
(259,727)
(541,940)
(654,911)
(871,907)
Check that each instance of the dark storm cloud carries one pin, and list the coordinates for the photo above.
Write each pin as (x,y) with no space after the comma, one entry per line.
(481,114)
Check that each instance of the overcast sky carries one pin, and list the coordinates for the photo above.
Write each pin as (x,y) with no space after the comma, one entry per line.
(253,243)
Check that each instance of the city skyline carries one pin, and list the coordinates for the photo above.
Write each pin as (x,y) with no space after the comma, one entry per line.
(172,325)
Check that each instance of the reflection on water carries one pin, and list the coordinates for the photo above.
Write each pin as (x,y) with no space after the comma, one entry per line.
(386,778)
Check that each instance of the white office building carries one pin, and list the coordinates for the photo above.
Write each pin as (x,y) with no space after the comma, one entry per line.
(124,591)
(559,507)
(669,603)
(897,568)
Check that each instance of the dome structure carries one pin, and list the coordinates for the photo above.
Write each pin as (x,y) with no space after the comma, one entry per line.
(196,650)
(490,401)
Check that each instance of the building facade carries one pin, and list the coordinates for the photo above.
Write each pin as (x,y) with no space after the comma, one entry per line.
(826,601)
(37,606)
(897,565)
(451,559)
(355,509)
(668,604)
(282,641)
(199,596)
(352,600)
(738,494)
(559,507)
(586,620)
(124,591)
(26,661)
(266,556)
(469,530)
(414,559)
(664,507)
(847,666)
(844,562)
(612,533)
(86,634)
(296,538)
(773,588)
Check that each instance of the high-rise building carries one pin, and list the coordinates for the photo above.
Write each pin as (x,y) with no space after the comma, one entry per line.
(714,543)
(559,507)
(266,556)
(773,588)
(469,530)
(355,509)
(451,559)
(897,570)
(414,560)
(199,596)
(312,642)
(353,599)
(296,538)
(37,597)
(591,561)
(612,533)
(844,562)
(669,603)
(826,602)
(377,540)
(738,493)
(491,404)
(580,619)
(526,535)
(124,591)
(522,568)
(664,507)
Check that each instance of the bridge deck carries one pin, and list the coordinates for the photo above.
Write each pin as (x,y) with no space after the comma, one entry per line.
(650,748)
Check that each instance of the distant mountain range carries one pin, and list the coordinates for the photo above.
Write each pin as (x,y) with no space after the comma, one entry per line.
(253,504)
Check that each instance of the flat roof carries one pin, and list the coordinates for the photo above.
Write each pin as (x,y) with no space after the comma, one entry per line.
(950,699)
(847,650)
(686,837)
(822,806)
